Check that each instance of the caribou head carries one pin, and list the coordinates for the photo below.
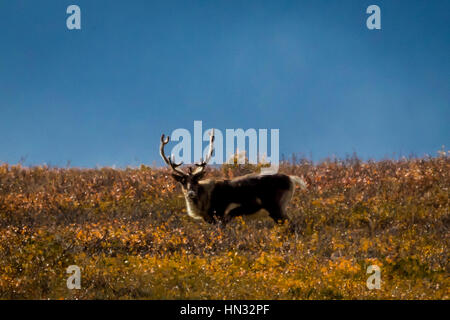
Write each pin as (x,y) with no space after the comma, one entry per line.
(189,180)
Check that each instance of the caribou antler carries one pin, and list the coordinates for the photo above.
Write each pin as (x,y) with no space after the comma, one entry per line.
(201,166)
(169,161)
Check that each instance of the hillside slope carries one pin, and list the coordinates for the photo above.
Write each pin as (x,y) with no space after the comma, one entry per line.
(128,232)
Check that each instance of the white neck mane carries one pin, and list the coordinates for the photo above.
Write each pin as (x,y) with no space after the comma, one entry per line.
(200,210)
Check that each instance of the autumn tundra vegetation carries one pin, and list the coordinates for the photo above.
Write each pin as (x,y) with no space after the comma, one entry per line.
(128,231)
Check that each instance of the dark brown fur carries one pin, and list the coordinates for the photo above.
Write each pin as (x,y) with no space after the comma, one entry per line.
(222,200)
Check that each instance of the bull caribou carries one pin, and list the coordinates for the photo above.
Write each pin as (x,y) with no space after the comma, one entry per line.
(220,200)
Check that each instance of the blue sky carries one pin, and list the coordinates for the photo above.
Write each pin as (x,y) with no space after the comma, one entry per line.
(102,95)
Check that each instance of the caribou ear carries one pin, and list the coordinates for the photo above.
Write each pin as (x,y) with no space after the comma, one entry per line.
(178,177)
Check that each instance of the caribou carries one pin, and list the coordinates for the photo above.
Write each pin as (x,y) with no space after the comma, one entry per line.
(221,200)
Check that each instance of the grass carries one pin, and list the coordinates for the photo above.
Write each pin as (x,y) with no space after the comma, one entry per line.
(129,233)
